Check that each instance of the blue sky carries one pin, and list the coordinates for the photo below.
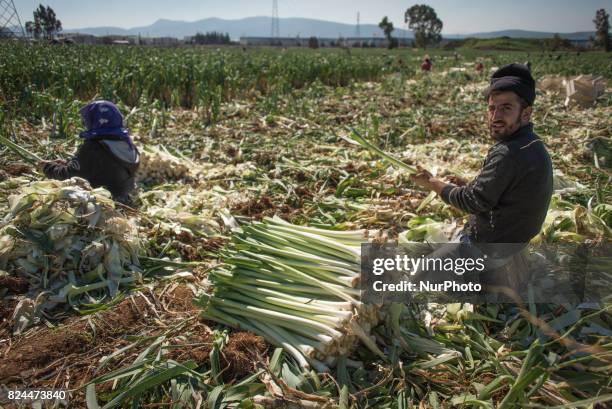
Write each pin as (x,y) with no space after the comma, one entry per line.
(459,17)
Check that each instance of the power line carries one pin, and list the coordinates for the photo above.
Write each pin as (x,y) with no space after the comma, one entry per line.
(10,23)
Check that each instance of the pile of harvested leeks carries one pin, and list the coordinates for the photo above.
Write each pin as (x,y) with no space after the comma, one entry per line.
(297,286)
(66,241)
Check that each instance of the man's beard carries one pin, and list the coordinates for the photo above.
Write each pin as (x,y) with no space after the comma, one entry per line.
(506,129)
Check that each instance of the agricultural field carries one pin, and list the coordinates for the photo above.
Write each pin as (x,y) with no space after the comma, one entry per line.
(200,294)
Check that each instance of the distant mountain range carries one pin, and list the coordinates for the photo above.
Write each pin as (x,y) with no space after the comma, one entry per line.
(289,27)
(580,35)
(251,27)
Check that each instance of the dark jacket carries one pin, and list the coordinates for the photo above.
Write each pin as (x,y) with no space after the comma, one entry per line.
(509,199)
(111,164)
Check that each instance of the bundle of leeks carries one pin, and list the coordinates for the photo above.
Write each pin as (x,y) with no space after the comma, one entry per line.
(297,286)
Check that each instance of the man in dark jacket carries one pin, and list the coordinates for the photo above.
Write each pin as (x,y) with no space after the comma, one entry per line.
(509,199)
(107,158)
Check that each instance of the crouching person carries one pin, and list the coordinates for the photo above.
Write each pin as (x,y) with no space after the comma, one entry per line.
(107,158)
(508,200)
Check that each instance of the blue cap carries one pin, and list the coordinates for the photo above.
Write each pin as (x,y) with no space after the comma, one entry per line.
(102,118)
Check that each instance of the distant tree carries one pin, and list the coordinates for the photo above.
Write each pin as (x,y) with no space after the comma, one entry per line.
(387,27)
(425,24)
(313,42)
(51,24)
(33,28)
(602,26)
(212,37)
(45,23)
(592,41)
(558,43)
(198,38)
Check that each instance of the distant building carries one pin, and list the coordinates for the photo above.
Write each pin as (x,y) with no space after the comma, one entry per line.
(163,41)
(89,39)
(79,38)
(379,42)
(281,41)
(582,43)
(120,40)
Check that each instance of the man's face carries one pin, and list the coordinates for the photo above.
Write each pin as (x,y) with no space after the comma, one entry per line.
(505,114)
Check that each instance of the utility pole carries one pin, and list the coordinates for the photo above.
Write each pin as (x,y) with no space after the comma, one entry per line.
(275,29)
(10,23)
(358,27)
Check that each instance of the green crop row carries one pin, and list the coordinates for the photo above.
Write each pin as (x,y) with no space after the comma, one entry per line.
(36,78)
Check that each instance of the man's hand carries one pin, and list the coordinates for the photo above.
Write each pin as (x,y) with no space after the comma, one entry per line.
(426,180)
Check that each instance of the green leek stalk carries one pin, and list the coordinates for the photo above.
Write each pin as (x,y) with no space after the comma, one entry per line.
(24,153)
(394,161)
(373,148)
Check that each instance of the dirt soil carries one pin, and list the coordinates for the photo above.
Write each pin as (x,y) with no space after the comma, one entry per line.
(68,355)
(241,353)
(258,208)
(17,169)
(44,350)
(14,285)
